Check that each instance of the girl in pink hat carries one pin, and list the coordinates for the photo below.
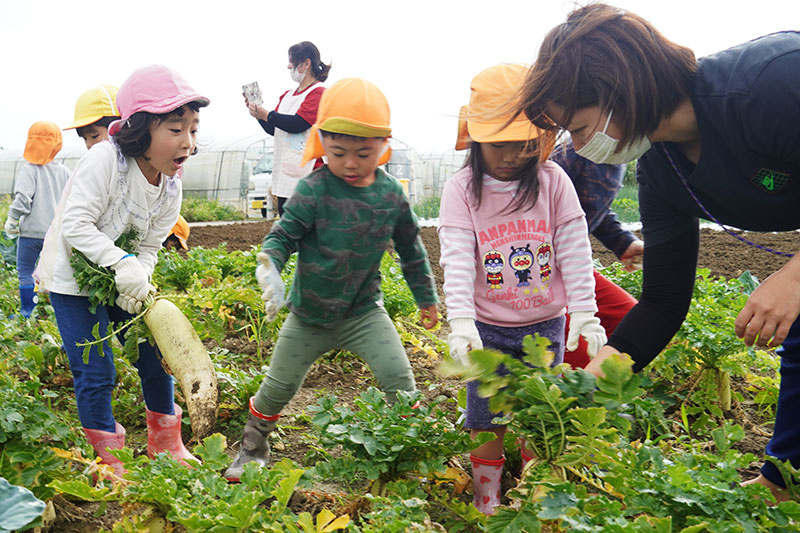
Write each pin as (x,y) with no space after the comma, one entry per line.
(130,183)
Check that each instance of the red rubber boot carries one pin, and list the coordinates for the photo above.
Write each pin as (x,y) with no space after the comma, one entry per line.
(101,441)
(164,435)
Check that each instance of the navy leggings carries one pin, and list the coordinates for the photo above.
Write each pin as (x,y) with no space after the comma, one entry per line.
(94,381)
(785,442)
(509,340)
(28,251)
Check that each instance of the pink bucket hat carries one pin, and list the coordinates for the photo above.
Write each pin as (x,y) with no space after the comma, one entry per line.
(155,89)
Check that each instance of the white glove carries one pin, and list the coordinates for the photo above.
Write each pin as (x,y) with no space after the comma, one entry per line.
(585,324)
(272,287)
(133,284)
(12,227)
(464,337)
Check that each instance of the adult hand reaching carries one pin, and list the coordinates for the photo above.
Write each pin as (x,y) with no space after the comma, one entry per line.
(772,308)
(632,258)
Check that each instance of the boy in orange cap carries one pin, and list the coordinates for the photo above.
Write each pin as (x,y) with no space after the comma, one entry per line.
(341,219)
(37,190)
(178,235)
(95,109)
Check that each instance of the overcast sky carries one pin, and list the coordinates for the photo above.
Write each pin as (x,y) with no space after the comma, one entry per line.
(422,54)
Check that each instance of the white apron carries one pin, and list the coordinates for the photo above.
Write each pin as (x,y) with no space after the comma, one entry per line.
(286,170)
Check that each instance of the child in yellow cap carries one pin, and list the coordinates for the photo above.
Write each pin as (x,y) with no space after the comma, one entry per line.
(516,255)
(95,109)
(37,190)
(340,219)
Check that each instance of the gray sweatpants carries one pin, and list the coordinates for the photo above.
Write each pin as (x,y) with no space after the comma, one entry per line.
(372,336)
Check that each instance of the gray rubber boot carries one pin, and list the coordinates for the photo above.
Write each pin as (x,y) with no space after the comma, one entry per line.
(255,443)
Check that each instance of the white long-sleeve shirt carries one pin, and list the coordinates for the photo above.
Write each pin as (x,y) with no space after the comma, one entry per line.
(108,195)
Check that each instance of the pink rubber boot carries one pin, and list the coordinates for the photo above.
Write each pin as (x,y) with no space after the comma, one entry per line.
(525,457)
(164,435)
(101,440)
(486,478)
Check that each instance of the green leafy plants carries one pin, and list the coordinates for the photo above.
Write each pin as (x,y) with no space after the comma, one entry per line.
(199,498)
(384,443)
(20,507)
(28,427)
(548,407)
(195,209)
(98,281)
(428,207)
(706,345)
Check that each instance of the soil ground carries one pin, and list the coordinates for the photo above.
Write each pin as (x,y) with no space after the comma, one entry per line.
(347,377)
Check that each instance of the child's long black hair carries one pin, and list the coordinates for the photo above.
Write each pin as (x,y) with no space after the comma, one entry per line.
(527,177)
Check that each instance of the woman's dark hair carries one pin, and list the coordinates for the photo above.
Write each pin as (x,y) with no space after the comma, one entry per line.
(306,50)
(608,57)
(133,138)
(103,123)
(527,182)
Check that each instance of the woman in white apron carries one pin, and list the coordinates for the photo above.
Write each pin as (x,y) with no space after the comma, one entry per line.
(295,113)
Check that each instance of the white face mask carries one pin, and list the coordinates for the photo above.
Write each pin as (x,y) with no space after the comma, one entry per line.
(296,76)
(600,148)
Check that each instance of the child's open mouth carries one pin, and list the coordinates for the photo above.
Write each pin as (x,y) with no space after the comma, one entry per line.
(179,161)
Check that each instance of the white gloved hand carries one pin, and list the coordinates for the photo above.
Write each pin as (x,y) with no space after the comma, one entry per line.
(585,324)
(133,284)
(272,286)
(12,227)
(464,337)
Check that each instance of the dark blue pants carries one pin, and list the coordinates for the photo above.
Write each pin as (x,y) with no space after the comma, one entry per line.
(94,381)
(785,442)
(28,251)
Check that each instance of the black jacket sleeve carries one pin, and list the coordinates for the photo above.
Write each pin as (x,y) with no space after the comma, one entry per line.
(287,123)
(668,282)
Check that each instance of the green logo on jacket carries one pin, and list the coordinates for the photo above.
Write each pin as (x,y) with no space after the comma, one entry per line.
(770,181)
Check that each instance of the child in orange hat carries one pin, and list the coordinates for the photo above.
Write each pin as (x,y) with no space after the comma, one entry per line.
(515,254)
(178,235)
(341,219)
(37,191)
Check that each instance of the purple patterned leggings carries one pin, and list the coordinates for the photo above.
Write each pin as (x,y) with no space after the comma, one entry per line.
(508,340)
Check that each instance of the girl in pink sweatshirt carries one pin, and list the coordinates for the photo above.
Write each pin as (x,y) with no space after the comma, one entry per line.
(515,253)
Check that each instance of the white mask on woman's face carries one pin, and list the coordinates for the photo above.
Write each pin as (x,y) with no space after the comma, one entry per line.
(600,148)
(296,76)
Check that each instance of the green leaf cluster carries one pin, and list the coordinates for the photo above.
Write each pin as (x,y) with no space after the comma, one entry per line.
(385,442)
(199,498)
(548,406)
(98,281)
(28,427)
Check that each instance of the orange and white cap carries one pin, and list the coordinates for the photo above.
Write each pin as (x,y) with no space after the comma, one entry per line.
(351,106)
(491,90)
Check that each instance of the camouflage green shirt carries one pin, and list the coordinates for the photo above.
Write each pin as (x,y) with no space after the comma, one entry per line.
(341,233)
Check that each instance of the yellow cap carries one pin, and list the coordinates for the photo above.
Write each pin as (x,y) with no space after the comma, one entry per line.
(44,142)
(491,90)
(94,104)
(351,106)
(181,231)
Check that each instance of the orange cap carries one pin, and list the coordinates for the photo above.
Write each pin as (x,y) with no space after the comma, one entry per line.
(181,231)
(44,142)
(351,106)
(491,90)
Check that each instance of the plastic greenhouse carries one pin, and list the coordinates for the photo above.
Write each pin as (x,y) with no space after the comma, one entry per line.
(220,171)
